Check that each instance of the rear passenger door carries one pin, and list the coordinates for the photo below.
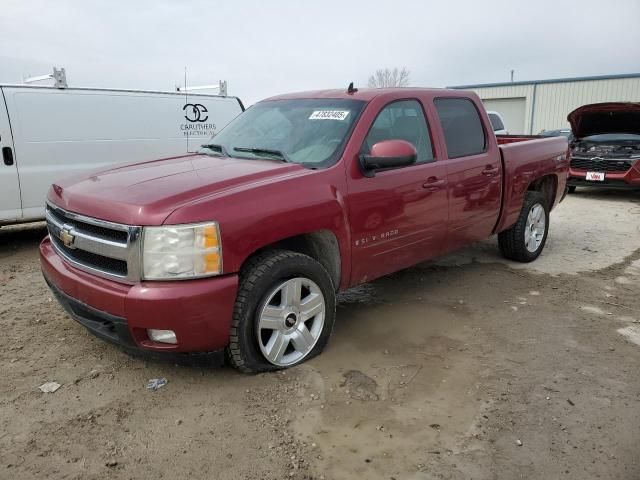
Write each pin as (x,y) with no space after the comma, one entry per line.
(10,205)
(474,172)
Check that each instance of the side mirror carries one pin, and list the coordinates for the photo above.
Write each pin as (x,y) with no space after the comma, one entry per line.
(388,154)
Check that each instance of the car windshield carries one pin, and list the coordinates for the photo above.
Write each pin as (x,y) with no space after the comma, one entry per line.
(312,132)
(612,137)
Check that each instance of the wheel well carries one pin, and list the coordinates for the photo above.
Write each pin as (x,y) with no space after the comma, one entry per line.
(322,246)
(546,185)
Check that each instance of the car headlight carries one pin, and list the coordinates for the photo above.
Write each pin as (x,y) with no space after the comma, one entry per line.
(181,251)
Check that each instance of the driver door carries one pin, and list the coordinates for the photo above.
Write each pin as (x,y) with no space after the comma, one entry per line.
(399,216)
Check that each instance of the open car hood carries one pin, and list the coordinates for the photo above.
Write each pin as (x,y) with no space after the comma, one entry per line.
(611,117)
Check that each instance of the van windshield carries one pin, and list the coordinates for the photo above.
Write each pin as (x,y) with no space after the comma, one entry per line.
(312,132)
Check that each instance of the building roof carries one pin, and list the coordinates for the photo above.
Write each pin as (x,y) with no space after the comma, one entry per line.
(552,80)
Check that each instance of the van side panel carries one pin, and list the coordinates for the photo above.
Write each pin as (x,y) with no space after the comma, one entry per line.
(58,133)
(10,206)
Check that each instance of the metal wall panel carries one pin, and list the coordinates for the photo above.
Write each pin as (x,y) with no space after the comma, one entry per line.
(547,104)
(555,100)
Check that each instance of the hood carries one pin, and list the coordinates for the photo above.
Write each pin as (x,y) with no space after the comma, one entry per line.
(147,193)
(598,118)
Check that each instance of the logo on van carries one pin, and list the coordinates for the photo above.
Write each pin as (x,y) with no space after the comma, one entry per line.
(195,112)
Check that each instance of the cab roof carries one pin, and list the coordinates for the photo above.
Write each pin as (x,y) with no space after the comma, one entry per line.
(368,94)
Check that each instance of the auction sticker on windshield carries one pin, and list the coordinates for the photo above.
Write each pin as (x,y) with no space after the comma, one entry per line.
(595,176)
(329,115)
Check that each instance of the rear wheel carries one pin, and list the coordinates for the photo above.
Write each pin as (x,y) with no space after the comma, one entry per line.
(526,239)
(284,312)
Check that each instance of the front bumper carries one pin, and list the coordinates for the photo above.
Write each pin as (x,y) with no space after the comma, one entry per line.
(198,311)
(623,180)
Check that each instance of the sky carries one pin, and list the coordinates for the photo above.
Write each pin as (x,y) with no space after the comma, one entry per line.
(264,48)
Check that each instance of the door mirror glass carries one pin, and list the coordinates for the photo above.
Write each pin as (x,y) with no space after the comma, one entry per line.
(388,154)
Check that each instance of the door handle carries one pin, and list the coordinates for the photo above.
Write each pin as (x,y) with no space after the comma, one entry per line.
(489,171)
(7,155)
(432,184)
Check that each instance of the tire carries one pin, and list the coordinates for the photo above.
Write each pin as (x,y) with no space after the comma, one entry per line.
(572,189)
(512,242)
(264,316)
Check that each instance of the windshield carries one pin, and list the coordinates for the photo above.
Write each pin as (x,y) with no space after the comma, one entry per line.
(312,132)
(612,137)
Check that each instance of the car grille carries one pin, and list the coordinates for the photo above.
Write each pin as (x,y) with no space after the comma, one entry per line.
(604,165)
(103,248)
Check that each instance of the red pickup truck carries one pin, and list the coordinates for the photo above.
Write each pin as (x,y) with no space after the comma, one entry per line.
(242,247)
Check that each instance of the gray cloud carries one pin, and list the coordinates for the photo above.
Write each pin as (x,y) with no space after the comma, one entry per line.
(265,48)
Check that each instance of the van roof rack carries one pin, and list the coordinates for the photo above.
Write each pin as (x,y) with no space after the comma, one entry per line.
(59,78)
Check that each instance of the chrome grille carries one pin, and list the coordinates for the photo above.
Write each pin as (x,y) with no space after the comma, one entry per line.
(107,249)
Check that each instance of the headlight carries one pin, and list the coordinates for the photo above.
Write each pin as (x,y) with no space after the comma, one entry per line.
(181,251)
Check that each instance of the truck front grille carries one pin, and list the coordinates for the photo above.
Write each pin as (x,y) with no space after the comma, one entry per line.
(600,165)
(107,249)
(98,231)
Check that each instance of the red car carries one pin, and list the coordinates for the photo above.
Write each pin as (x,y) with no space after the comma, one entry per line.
(242,247)
(606,149)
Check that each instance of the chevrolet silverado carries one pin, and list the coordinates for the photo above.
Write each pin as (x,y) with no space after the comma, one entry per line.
(241,248)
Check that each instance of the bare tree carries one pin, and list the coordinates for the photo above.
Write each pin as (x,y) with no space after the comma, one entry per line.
(386,78)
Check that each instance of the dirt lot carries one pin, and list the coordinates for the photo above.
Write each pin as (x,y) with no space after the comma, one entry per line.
(470,367)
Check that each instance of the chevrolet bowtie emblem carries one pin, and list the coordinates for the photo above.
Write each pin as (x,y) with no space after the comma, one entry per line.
(66,237)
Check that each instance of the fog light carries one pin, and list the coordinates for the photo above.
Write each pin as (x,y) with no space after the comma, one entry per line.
(163,336)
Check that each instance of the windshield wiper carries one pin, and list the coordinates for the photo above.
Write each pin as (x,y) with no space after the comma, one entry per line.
(263,151)
(215,148)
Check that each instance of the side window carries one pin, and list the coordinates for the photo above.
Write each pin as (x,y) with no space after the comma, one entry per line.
(402,120)
(463,132)
(496,123)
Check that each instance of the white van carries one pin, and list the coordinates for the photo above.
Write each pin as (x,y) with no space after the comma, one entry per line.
(47,133)
(497,122)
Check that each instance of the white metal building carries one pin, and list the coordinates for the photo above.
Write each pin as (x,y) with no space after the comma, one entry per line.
(529,107)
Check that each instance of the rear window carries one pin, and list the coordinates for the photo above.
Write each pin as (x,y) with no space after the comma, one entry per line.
(496,122)
(463,132)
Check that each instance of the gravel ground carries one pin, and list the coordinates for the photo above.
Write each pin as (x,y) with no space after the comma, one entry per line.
(469,367)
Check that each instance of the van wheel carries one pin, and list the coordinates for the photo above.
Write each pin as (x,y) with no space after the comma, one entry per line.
(572,189)
(526,239)
(284,312)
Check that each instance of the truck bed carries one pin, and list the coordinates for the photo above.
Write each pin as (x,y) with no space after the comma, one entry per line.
(526,158)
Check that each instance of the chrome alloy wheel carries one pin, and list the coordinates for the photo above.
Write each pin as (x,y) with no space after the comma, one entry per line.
(290,322)
(534,229)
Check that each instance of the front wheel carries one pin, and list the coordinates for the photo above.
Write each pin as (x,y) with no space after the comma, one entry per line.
(284,312)
(526,239)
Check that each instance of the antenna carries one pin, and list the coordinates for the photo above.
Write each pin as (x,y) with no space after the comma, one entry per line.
(186,101)
(58,76)
(351,90)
